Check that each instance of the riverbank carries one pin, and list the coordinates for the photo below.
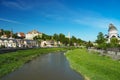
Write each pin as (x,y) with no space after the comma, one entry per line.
(13,60)
(8,50)
(54,65)
(92,66)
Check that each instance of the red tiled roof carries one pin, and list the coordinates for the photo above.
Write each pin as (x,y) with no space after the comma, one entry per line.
(21,34)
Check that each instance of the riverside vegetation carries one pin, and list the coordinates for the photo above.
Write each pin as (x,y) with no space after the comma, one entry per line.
(93,66)
(14,60)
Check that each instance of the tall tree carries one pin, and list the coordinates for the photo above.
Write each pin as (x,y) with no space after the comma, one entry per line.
(61,37)
(101,41)
(56,37)
(100,38)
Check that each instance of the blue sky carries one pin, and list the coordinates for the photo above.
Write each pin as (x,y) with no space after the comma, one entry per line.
(82,18)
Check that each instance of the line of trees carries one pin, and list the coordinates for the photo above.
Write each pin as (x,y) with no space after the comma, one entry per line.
(8,33)
(62,38)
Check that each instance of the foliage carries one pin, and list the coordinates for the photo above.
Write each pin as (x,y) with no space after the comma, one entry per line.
(89,44)
(114,42)
(37,37)
(62,38)
(93,66)
(100,38)
(8,33)
(15,35)
(1,32)
(101,41)
(56,37)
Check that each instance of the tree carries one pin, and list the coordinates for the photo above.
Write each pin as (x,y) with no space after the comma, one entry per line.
(37,37)
(100,38)
(101,41)
(114,42)
(89,44)
(1,32)
(46,37)
(79,41)
(15,35)
(8,33)
(61,37)
(73,40)
(56,37)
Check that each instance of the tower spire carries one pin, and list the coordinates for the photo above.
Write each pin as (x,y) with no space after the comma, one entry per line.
(69,35)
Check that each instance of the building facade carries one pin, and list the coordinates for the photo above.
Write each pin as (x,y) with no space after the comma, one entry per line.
(13,43)
(30,35)
(112,33)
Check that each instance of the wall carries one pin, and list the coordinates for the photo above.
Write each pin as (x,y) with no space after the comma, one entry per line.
(113,54)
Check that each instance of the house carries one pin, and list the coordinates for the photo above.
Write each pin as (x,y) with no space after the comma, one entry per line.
(4,36)
(8,43)
(13,43)
(21,35)
(30,35)
(49,43)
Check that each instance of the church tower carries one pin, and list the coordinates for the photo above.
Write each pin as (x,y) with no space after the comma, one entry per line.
(112,32)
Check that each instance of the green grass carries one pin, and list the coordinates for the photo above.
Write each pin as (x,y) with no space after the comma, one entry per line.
(12,61)
(93,66)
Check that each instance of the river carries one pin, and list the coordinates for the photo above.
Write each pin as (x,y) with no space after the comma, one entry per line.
(52,66)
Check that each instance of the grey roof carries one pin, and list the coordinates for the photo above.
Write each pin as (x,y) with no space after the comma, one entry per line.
(112,27)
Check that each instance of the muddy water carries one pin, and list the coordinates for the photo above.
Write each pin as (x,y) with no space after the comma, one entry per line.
(52,66)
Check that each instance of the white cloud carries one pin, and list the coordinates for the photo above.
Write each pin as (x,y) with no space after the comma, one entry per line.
(11,21)
(19,23)
(19,4)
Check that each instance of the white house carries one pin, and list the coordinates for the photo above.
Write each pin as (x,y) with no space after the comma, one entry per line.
(30,35)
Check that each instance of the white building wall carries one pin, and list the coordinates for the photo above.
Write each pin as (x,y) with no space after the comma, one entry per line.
(113,33)
(31,36)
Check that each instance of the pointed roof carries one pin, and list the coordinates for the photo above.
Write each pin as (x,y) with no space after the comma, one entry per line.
(112,27)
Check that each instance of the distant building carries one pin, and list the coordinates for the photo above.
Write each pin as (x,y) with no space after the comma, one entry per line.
(50,43)
(13,43)
(4,36)
(112,32)
(30,35)
(21,35)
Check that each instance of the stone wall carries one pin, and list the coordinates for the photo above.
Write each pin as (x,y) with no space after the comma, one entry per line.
(113,54)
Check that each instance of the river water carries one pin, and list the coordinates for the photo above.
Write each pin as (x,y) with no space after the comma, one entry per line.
(52,66)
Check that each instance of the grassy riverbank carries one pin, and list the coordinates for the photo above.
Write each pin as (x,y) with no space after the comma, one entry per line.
(92,66)
(12,61)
